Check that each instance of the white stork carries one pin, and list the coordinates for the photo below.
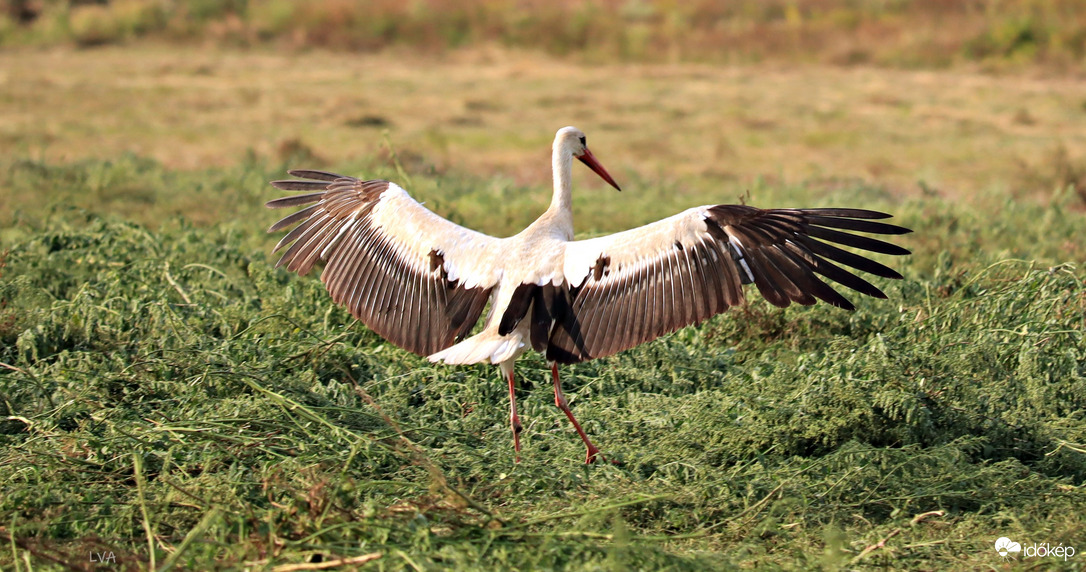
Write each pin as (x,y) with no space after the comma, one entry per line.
(422,282)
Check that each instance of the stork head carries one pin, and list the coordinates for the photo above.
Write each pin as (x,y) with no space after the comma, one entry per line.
(572,141)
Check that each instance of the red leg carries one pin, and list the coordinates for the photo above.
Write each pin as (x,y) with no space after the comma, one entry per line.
(514,421)
(560,401)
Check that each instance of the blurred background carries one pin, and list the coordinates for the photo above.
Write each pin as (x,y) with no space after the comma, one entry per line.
(898,33)
(693,98)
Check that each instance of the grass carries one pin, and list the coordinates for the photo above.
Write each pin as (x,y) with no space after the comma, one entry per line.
(170,397)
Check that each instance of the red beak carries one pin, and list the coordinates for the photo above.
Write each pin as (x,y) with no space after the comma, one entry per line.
(589,159)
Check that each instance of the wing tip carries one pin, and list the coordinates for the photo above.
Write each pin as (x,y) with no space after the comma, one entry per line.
(314,174)
(847,305)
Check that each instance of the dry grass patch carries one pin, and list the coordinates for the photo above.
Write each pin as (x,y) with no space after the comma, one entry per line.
(494,112)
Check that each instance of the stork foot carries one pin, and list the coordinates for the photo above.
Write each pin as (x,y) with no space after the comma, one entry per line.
(514,422)
(593,452)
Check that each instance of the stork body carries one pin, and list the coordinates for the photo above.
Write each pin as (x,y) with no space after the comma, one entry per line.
(422,282)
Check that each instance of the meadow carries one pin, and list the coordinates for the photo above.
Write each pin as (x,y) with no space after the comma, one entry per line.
(169,400)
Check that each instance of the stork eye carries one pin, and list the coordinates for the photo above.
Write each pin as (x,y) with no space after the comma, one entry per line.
(583,141)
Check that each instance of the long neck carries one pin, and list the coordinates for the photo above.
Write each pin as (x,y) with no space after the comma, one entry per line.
(562,167)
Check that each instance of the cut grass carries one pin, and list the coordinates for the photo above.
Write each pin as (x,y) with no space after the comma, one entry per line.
(163,380)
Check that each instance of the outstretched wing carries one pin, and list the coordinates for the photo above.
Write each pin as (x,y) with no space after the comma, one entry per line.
(413,277)
(634,286)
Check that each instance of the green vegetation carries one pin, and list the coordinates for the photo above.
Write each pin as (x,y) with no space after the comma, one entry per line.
(897,33)
(172,401)
(168,397)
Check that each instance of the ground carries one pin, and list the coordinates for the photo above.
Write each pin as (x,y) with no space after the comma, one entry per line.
(169,398)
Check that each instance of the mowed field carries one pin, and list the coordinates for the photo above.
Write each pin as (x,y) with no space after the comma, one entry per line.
(170,400)
(493,113)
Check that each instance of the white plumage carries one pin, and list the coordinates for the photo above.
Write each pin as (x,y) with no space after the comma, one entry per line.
(423,282)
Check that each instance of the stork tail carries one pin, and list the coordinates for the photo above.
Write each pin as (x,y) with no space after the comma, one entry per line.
(483,347)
